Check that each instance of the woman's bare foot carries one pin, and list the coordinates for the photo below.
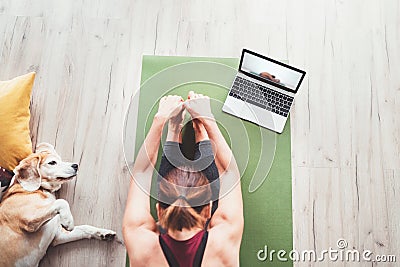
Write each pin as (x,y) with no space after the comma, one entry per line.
(200,131)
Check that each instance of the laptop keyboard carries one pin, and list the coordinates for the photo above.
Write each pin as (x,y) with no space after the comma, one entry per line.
(261,96)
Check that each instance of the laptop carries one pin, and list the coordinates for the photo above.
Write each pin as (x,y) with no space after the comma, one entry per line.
(263,91)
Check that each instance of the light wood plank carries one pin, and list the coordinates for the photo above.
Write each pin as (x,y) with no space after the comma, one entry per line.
(341,203)
(78,104)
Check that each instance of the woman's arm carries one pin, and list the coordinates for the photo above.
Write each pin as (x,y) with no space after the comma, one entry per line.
(230,207)
(229,214)
(137,211)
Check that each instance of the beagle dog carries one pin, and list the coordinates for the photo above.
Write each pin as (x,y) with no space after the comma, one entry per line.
(31,218)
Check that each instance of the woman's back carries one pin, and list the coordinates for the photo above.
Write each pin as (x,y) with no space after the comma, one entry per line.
(184,252)
(217,251)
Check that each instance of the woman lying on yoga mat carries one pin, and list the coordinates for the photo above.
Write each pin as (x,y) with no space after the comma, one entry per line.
(190,230)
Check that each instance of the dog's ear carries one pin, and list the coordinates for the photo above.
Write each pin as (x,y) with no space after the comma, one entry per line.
(45,147)
(27,172)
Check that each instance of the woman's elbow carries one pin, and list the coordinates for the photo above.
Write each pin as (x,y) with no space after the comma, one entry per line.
(127,227)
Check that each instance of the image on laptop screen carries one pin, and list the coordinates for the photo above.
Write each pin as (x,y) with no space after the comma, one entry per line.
(268,70)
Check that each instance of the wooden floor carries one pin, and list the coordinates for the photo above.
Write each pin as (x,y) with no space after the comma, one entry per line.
(345,122)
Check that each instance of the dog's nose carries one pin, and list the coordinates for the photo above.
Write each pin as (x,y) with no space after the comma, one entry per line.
(75,166)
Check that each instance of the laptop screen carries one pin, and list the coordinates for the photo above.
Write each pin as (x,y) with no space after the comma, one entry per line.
(271,71)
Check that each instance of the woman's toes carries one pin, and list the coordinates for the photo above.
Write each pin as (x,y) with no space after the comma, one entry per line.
(191,95)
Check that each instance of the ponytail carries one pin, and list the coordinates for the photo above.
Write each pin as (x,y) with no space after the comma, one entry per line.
(180,215)
(179,211)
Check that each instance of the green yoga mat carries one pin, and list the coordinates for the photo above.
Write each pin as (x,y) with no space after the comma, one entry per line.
(267,199)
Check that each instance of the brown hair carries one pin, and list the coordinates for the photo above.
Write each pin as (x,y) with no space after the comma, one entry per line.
(183,195)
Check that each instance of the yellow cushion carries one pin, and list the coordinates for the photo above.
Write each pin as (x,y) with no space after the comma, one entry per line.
(15,140)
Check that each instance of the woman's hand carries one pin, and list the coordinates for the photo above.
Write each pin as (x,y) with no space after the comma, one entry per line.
(170,107)
(199,106)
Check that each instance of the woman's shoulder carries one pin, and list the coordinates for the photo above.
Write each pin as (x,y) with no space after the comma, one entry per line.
(220,250)
(144,249)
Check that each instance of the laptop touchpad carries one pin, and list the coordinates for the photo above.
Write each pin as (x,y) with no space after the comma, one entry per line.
(234,106)
(257,115)
(248,113)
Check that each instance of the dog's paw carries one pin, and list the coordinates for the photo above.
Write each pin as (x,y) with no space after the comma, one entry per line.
(105,235)
(108,237)
(98,233)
